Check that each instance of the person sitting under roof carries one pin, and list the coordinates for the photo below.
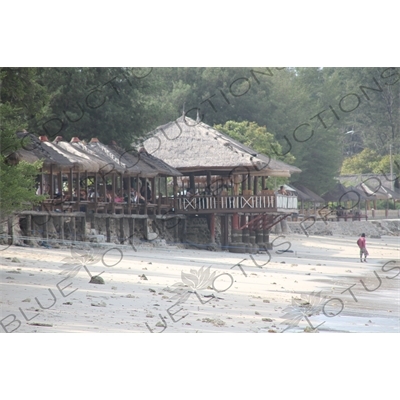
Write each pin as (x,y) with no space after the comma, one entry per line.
(283,191)
(136,197)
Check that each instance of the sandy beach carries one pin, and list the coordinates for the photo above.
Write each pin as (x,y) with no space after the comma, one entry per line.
(305,284)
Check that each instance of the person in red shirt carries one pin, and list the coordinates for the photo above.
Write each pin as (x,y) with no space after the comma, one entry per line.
(361,242)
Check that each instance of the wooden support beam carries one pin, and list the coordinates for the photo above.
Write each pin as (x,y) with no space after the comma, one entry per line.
(212,227)
(73,228)
(121,230)
(131,223)
(153,190)
(113,184)
(83,228)
(62,220)
(145,195)
(108,233)
(51,182)
(70,184)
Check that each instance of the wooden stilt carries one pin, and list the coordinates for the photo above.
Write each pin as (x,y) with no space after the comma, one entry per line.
(108,233)
(121,230)
(73,228)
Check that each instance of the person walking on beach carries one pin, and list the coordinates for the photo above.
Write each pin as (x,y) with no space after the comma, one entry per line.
(361,242)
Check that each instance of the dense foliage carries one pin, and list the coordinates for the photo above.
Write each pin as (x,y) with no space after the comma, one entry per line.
(319,116)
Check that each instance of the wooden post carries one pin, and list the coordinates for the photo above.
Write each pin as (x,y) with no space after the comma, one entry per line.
(175,194)
(263,183)
(121,230)
(95,191)
(70,184)
(235,221)
(62,228)
(153,190)
(105,188)
(108,233)
(131,223)
(256,185)
(212,227)
(59,184)
(45,230)
(78,190)
(113,193)
(145,195)
(10,229)
(28,225)
(51,182)
(191,182)
(73,223)
(83,228)
(129,196)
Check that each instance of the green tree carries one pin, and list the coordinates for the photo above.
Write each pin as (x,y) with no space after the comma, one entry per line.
(21,100)
(363,163)
(107,103)
(256,137)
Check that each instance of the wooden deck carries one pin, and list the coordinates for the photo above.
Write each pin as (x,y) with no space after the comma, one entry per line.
(222,204)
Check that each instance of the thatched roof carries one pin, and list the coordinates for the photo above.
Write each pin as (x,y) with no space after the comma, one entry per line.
(93,157)
(81,163)
(34,150)
(377,191)
(77,149)
(313,197)
(144,162)
(341,193)
(191,146)
(378,184)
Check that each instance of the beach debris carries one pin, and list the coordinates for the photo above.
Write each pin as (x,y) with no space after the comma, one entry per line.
(143,277)
(272,331)
(97,280)
(99,304)
(256,313)
(152,290)
(160,324)
(39,324)
(113,288)
(68,303)
(13,272)
(130,296)
(215,322)
(15,260)
(265,301)
(27,300)
(266,319)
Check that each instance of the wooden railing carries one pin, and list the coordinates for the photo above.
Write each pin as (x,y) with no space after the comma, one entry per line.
(227,202)
(184,204)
